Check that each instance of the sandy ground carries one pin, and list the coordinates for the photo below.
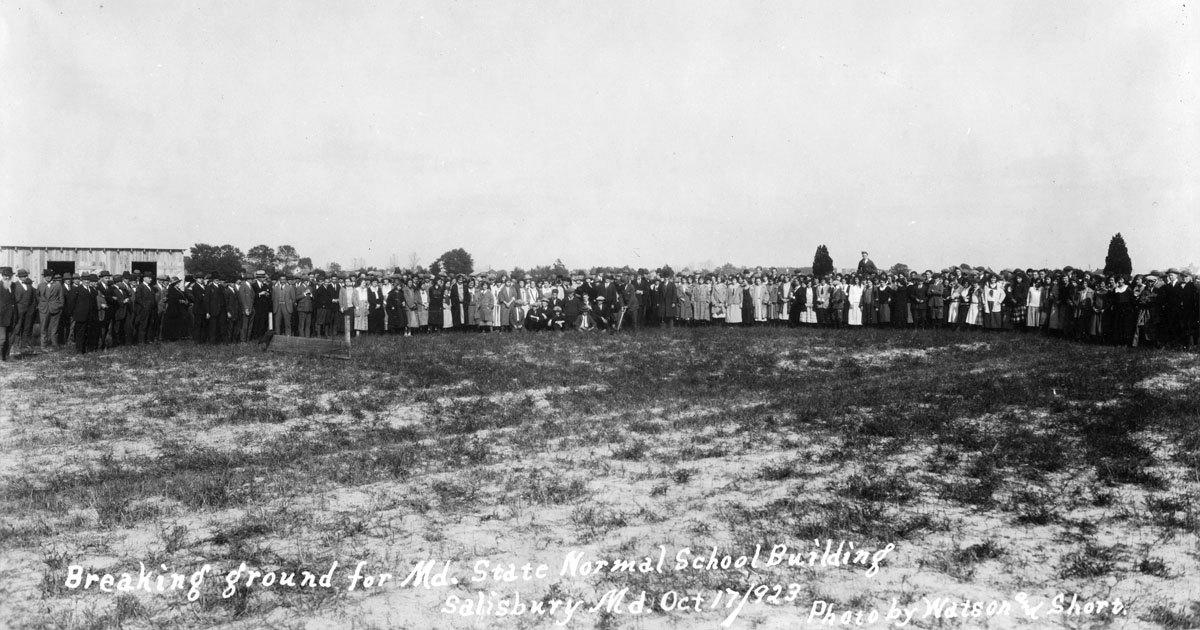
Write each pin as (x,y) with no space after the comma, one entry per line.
(639,510)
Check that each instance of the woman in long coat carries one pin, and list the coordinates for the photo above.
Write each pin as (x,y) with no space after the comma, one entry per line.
(412,303)
(733,305)
(485,305)
(476,289)
(702,300)
(376,305)
(437,306)
(719,297)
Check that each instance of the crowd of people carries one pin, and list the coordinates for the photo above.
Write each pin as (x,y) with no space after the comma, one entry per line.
(1159,309)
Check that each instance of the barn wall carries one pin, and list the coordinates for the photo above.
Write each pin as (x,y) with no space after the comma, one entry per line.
(87,260)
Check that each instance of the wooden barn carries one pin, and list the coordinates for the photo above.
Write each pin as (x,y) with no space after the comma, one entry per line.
(36,259)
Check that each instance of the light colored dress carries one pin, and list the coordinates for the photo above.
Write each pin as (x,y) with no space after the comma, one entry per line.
(733,308)
(361,313)
(809,316)
(854,297)
(1033,307)
(759,291)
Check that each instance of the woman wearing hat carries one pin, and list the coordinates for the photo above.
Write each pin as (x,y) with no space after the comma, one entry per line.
(485,306)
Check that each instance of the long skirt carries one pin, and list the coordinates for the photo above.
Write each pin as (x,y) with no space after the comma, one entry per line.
(993,320)
(1056,318)
(1033,316)
(703,312)
(974,317)
(854,315)
(434,316)
(885,313)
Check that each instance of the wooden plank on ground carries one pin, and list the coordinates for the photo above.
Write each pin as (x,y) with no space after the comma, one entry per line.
(332,348)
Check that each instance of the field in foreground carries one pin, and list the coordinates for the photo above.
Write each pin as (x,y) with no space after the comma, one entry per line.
(996,465)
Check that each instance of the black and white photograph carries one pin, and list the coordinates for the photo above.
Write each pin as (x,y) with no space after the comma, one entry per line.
(599,315)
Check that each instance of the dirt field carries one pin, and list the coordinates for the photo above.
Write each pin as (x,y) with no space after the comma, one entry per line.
(522,481)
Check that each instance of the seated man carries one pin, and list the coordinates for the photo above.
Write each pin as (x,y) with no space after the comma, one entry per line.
(558,321)
(586,320)
(537,318)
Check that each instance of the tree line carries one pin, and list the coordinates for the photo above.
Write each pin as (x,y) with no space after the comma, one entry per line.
(227,260)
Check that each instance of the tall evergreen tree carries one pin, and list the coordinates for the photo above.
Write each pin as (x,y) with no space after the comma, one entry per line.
(822,263)
(1117,261)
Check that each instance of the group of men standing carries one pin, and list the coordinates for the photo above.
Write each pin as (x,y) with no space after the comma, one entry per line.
(89,310)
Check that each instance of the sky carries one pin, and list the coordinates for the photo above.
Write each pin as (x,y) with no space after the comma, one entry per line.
(1014,133)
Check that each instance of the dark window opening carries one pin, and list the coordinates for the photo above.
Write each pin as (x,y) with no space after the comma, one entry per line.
(147,268)
(61,266)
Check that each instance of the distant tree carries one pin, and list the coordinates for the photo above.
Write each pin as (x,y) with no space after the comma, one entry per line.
(728,269)
(665,271)
(305,264)
(435,267)
(414,261)
(224,261)
(822,262)
(286,259)
(456,261)
(1117,261)
(559,269)
(334,268)
(899,268)
(518,273)
(262,257)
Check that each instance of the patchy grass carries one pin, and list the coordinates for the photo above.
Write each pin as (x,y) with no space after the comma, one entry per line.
(993,463)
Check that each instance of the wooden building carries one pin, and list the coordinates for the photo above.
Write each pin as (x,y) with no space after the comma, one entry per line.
(36,259)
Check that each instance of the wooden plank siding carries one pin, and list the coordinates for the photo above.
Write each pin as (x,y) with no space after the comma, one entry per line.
(91,259)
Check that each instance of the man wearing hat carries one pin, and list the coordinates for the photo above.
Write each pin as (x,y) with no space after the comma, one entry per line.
(194,290)
(245,308)
(85,313)
(283,299)
(143,304)
(50,306)
(26,297)
(105,308)
(8,311)
(1173,309)
(866,267)
(262,304)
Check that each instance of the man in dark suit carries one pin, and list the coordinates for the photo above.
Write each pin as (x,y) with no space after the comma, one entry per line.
(26,297)
(631,304)
(195,291)
(262,303)
(669,298)
(866,267)
(85,313)
(232,315)
(8,311)
(143,305)
(50,308)
(1173,308)
(245,303)
(214,309)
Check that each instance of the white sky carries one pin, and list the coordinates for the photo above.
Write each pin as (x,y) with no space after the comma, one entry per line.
(607,132)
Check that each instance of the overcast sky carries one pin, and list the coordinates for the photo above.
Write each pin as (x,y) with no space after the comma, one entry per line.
(607,132)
